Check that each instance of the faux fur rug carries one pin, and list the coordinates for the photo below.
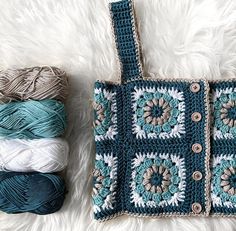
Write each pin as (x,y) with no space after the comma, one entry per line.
(180,38)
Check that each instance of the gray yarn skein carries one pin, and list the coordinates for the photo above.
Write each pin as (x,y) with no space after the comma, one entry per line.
(36,83)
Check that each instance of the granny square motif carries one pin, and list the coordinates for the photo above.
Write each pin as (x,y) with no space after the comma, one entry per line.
(157,180)
(105,114)
(163,147)
(158,112)
(223,184)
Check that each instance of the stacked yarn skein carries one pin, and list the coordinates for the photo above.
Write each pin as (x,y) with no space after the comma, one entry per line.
(32,147)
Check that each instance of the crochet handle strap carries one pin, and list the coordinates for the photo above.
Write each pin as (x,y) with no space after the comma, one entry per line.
(122,14)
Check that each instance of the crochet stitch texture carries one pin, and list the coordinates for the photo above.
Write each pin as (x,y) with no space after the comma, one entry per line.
(163,147)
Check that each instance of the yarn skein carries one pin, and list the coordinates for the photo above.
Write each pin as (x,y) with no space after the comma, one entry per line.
(32,119)
(31,192)
(36,83)
(40,155)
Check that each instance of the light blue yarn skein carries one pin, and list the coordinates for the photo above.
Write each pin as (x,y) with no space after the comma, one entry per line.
(32,119)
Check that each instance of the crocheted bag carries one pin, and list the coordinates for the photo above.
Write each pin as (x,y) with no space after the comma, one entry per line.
(153,139)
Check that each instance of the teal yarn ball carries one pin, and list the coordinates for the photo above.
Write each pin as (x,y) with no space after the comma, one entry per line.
(31,192)
(32,119)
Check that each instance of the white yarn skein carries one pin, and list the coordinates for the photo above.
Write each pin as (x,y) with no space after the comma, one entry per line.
(41,155)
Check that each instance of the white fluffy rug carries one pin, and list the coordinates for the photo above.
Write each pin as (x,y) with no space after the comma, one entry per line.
(180,38)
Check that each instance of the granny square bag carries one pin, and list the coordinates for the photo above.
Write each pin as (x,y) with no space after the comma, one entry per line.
(164,147)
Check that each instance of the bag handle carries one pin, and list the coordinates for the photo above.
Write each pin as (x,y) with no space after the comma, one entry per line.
(127,41)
